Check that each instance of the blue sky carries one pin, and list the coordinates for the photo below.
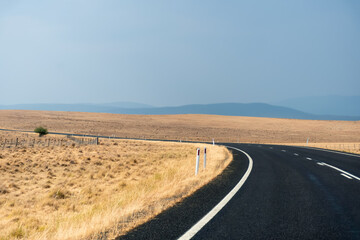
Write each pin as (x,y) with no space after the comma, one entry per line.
(177,52)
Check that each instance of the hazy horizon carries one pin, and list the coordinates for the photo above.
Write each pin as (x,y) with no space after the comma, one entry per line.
(166,53)
(168,105)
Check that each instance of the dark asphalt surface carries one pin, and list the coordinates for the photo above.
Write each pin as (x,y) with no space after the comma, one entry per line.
(286,196)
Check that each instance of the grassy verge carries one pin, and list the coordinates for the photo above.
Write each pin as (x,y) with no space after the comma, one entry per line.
(76,192)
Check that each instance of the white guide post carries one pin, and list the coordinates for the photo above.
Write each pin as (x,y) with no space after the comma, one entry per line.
(197,161)
(204,158)
(213,142)
(307,141)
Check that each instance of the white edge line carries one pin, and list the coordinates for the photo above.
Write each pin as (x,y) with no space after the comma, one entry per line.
(340,170)
(203,221)
(346,176)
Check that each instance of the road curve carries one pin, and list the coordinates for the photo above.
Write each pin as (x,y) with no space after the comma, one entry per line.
(291,193)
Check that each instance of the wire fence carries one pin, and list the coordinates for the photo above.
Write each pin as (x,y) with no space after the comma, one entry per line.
(46,142)
(347,147)
(342,147)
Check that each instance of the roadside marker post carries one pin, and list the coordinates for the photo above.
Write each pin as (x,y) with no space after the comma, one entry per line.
(307,141)
(204,158)
(213,142)
(197,161)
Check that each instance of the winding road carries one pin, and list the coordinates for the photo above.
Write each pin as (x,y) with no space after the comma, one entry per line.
(289,193)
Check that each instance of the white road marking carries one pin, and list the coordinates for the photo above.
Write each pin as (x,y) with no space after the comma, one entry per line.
(340,170)
(346,176)
(296,154)
(309,159)
(283,150)
(320,163)
(202,222)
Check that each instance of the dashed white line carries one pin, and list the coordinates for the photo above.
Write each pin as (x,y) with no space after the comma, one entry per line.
(309,158)
(346,176)
(202,222)
(283,150)
(340,170)
(296,154)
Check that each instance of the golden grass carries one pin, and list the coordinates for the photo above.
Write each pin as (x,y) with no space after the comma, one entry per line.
(186,127)
(75,192)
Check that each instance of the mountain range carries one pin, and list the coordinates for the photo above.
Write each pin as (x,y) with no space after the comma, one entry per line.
(229,109)
(325,105)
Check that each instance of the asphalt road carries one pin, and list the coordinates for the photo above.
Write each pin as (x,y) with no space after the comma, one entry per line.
(291,193)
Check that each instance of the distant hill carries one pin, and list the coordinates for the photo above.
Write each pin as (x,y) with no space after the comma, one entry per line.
(236,109)
(126,105)
(229,109)
(326,105)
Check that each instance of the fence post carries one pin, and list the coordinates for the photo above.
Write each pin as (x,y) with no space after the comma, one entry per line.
(97,141)
(205,158)
(16,142)
(197,161)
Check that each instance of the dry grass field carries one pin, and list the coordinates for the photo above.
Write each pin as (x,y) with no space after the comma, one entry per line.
(81,191)
(187,127)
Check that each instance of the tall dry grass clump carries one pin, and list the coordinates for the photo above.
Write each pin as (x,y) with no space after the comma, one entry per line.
(76,192)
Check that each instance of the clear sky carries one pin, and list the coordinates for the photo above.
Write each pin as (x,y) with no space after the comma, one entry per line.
(177,52)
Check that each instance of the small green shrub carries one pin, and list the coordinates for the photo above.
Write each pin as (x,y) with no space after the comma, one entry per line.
(41,131)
